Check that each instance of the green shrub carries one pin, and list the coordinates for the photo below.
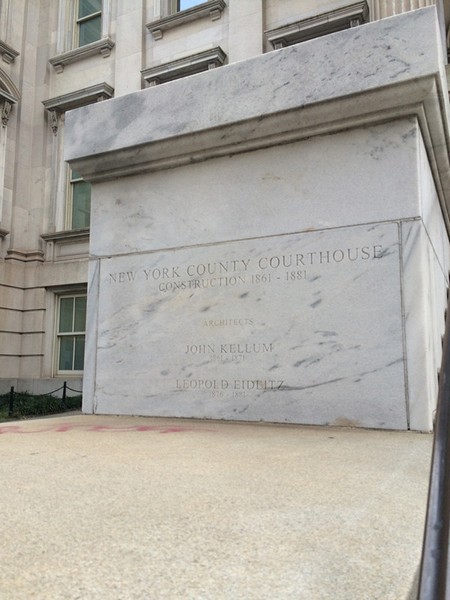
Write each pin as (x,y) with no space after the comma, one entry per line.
(27,405)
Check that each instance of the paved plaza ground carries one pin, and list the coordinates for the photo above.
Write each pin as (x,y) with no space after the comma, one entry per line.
(118,508)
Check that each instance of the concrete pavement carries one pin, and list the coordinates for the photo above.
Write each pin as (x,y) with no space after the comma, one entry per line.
(119,508)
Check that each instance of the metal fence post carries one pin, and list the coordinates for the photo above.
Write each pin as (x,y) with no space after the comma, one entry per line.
(64,396)
(11,402)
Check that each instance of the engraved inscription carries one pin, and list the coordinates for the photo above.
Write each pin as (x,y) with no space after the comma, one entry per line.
(212,323)
(228,348)
(226,327)
(225,384)
(244,271)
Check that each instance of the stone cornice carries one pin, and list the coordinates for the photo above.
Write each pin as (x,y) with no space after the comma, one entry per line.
(8,53)
(212,9)
(347,16)
(195,63)
(5,96)
(87,95)
(103,47)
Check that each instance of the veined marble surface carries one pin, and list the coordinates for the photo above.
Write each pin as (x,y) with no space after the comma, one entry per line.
(360,176)
(283,279)
(351,61)
(369,74)
(297,328)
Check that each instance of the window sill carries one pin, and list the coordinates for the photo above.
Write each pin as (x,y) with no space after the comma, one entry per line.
(66,245)
(348,16)
(195,63)
(87,95)
(212,9)
(68,374)
(103,47)
(69,234)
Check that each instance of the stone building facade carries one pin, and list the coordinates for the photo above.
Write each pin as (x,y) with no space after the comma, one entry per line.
(57,55)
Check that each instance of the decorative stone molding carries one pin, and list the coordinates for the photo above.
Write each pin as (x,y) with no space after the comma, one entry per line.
(3,233)
(103,47)
(8,53)
(5,110)
(195,63)
(67,245)
(6,104)
(8,88)
(88,95)
(25,255)
(54,119)
(212,9)
(345,17)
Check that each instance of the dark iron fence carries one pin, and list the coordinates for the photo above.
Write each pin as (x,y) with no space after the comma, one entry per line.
(13,395)
(434,570)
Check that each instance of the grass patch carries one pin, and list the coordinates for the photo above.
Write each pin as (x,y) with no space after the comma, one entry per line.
(26,405)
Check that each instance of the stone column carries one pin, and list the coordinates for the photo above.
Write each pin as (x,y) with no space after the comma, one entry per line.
(246,29)
(128,49)
(388,8)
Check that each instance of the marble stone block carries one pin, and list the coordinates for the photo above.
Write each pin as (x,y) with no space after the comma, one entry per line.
(297,328)
(368,74)
(281,254)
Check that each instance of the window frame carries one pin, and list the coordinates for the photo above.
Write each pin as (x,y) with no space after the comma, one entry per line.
(67,49)
(176,7)
(78,21)
(351,15)
(59,219)
(167,16)
(59,335)
(69,204)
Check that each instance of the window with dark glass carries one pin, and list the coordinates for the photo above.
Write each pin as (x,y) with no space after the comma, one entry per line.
(71,332)
(89,21)
(79,209)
